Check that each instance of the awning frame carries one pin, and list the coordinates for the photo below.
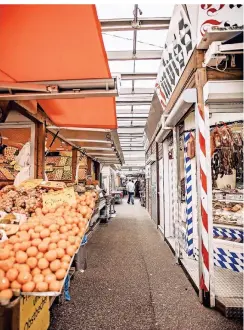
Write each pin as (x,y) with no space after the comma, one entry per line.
(59,89)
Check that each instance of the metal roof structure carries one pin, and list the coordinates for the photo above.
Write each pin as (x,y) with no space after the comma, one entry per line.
(134,37)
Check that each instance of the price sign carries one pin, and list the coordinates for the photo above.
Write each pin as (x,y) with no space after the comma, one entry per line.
(51,200)
(34,313)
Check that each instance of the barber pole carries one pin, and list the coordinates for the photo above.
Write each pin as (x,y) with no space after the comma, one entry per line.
(188,190)
(206,265)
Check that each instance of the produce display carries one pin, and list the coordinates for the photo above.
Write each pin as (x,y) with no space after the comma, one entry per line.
(20,200)
(36,259)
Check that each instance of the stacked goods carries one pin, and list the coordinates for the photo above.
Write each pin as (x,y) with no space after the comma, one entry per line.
(38,257)
(20,200)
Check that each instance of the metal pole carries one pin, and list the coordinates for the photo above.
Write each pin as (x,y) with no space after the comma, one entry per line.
(205,224)
(176,142)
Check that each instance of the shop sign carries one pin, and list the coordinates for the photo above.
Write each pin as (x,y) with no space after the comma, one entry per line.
(34,313)
(148,172)
(53,199)
(218,16)
(178,48)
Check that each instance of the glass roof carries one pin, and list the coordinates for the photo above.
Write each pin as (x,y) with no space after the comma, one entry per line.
(123,40)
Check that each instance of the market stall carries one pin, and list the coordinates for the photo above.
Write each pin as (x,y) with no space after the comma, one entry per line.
(62,106)
(201,171)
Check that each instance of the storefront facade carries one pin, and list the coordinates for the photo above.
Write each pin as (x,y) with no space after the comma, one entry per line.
(199,157)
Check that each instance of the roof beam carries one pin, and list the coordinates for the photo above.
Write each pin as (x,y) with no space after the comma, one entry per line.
(127,55)
(123,118)
(127,24)
(128,91)
(139,76)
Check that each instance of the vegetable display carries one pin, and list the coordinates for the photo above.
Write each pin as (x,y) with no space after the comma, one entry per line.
(37,257)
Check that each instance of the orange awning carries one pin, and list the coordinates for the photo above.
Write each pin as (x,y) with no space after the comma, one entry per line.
(57,42)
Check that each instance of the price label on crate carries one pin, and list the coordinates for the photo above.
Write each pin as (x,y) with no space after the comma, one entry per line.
(53,199)
(34,313)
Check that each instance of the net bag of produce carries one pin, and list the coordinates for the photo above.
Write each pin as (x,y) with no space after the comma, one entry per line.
(23,159)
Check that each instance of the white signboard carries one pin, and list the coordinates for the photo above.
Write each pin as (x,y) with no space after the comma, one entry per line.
(179,46)
(218,16)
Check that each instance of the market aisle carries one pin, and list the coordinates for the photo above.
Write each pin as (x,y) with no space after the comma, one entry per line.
(132,283)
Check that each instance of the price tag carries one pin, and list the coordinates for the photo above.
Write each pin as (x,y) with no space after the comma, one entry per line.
(51,200)
(34,313)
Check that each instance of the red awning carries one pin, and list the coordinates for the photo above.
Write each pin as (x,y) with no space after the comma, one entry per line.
(57,42)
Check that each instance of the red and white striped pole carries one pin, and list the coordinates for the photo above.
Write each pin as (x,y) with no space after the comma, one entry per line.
(206,262)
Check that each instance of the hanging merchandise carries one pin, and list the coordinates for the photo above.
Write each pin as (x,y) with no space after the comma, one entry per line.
(23,160)
(227,153)
(191,147)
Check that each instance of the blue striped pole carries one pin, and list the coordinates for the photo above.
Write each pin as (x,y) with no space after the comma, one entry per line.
(188,190)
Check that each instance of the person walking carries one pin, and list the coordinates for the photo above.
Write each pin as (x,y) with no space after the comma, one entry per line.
(130,187)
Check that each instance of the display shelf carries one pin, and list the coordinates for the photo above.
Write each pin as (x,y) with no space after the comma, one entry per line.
(241,228)
(228,201)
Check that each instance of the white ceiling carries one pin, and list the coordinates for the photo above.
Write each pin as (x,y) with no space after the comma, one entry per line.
(132,118)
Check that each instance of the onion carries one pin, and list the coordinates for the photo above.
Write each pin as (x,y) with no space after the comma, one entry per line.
(31,262)
(60,253)
(45,233)
(6,295)
(38,278)
(35,235)
(25,227)
(24,268)
(4,283)
(43,263)
(43,247)
(64,265)
(54,238)
(12,274)
(46,271)
(55,265)
(53,227)
(15,285)
(70,250)
(49,278)
(60,274)
(38,229)
(63,229)
(24,245)
(29,286)
(5,265)
(35,271)
(39,255)
(66,258)
(47,240)
(4,254)
(52,246)
(51,255)
(62,244)
(41,287)
(32,251)
(55,286)
(36,241)
(24,277)
(14,239)
(21,257)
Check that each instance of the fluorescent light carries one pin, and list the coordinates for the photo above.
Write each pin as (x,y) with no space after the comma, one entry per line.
(92,141)
(97,148)
(4,138)
(80,129)
(99,154)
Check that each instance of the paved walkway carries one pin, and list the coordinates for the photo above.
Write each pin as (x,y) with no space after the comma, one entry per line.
(133,283)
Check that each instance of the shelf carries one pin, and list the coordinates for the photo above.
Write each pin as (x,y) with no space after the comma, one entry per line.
(228,226)
(228,201)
